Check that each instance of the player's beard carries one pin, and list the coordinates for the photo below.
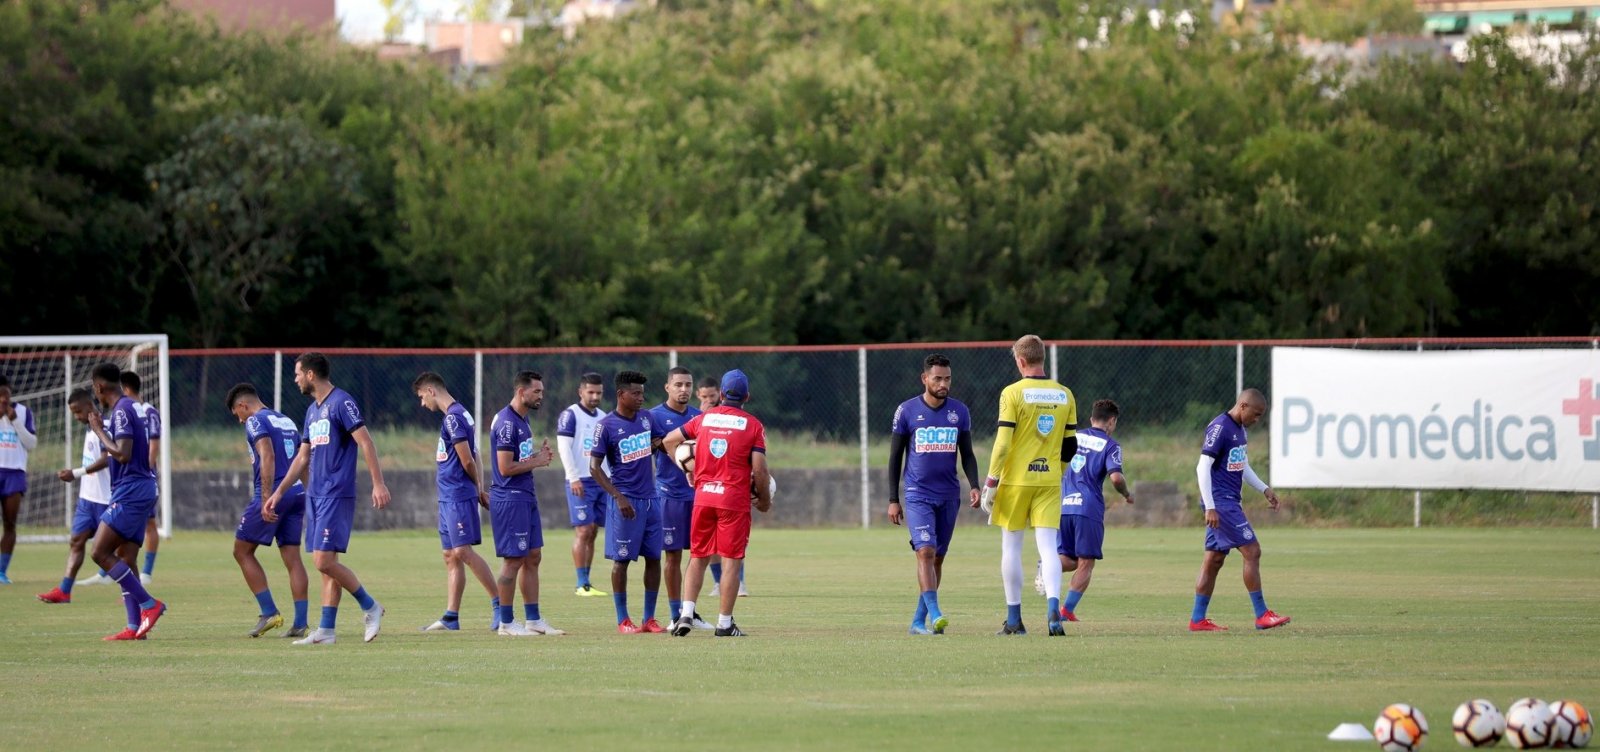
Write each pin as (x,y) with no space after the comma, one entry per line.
(308,389)
(940,393)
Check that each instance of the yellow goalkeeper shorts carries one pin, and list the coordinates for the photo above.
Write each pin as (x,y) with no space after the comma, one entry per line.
(1019,507)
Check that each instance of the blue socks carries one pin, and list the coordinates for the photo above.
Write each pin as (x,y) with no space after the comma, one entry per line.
(1054,604)
(5,562)
(1073,597)
(1260,602)
(66,585)
(131,608)
(330,616)
(264,599)
(675,608)
(362,598)
(150,562)
(300,608)
(1014,614)
(508,614)
(919,618)
(130,585)
(621,602)
(650,604)
(530,611)
(583,576)
(930,604)
(1201,603)
(451,617)
(494,613)
(716,572)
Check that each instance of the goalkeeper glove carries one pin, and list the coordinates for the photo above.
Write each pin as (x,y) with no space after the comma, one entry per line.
(986,501)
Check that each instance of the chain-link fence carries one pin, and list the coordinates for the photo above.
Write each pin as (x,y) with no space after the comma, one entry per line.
(828,409)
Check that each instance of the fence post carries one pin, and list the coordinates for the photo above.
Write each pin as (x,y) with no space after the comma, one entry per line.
(672,359)
(866,477)
(1055,365)
(66,428)
(166,526)
(1238,368)
(1416,496)
(477,403)
(277,380)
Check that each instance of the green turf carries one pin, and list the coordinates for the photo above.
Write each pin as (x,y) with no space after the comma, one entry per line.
(1430,617)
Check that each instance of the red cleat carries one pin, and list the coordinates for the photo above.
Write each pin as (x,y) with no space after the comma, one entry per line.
(55,596)
(628,627)
(651,626)
(1068,615)
(126,634)
(148,617)
(1206,625)
(1269,620)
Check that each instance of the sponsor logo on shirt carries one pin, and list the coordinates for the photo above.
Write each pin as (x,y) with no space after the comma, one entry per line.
(714,487)
(1044,396)
(1045,424)
(935,439)
(1072,500)
(525,449)
(953,417)
(319,432)
(441,454)
(1238,457)
(719,420)
(1091,442)
(1213,433)
(1039,465)
(635,447)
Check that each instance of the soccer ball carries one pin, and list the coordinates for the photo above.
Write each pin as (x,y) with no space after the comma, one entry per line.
(772,488)
(1478,723)
(1400,728)
(1572,726)
(684,456)
(1528,723)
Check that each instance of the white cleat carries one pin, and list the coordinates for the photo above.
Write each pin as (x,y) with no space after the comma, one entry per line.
(512,629)
(440,626)
(94,579)
(742,592)
(716,590)
(699,623)
(542,627)
(144,579)
(318,636)
(1038,580)
(373,619)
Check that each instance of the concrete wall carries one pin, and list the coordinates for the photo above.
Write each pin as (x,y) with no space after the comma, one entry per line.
(806,498)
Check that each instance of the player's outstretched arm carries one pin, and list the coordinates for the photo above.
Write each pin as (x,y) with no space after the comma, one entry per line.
(369,452)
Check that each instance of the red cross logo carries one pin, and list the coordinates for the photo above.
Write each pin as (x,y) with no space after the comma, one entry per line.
(1585,407)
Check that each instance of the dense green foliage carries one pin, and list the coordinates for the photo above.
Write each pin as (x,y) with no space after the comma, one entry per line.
(791,172)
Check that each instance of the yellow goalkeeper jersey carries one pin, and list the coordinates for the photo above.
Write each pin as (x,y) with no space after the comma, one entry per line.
(1036,415)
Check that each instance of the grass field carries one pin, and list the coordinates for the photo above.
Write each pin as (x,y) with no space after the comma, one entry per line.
(1431,617)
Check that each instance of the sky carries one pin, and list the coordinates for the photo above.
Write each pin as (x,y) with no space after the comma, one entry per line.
(362,20)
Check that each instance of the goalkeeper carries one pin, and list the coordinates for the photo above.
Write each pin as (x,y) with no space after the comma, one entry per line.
(1037,437)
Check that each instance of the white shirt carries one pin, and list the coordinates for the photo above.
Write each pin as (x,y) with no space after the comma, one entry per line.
(575,437)
(95,486)
(17,439)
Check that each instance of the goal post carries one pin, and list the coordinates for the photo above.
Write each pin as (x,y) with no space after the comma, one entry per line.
(43,371)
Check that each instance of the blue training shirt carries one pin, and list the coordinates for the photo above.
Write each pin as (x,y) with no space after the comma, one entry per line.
(134,480)
(625,445)
(1228,443)
(670,480)
(330,425)
(510,432)
(1083,485)
(285,437)
(933,434)
(457,426)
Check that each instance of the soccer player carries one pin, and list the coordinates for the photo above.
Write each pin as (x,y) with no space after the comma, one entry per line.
(730,461)
(710,395)
(94,494)
(586,500)
(152,421)
(273,439)
(334,429)
(514,507)
(626,440)
(460,495)
(1083,501)
(672,488)
(18,437)
(932,427)
(1037,436)
(133,493)
(1224,466)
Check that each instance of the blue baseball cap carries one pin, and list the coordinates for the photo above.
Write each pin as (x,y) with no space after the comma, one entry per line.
(735,387)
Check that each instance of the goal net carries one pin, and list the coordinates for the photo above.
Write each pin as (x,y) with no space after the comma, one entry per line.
(43,371)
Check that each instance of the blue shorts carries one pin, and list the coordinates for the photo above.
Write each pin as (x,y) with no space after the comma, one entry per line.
(126,518)
(675,515)
(86,518)
(286,531)
(1081,537)
(627,540)
(517,528)
(590,509)
(1233,532)
(932,523)
(13,482)
(459,524)
(328,522)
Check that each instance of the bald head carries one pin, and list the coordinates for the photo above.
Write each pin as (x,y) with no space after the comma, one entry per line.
(1249,408)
